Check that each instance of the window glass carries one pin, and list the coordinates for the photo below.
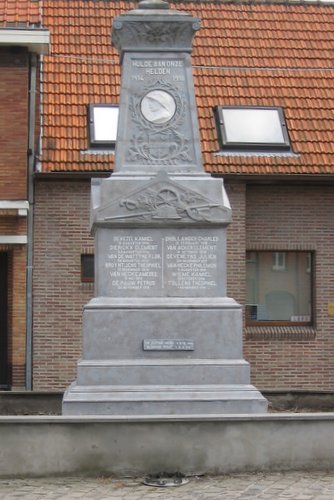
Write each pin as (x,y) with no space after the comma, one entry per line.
(279,287)
(279,261)
(103,120)
(253,125)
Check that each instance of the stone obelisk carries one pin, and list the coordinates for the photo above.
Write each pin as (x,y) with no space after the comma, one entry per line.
(160,337)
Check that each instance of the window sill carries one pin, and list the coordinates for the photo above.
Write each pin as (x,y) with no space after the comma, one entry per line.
(99,151)
(280,332)
(257,153)
(87,285)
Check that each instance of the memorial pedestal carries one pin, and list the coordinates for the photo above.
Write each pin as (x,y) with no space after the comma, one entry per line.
(161,337)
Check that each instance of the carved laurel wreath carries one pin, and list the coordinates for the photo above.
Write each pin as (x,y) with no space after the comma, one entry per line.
(176,146)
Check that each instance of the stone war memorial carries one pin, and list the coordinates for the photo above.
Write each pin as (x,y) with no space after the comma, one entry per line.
(160,337)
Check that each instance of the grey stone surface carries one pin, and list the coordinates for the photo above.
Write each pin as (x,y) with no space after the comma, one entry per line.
(159,371)
(160,248)
(164,400)
(106,332)
(44,446)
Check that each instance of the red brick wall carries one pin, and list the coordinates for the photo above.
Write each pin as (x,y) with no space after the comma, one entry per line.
(14,79)
(295,218)
(14,84)
(236,241)
(61,234)
(284,218)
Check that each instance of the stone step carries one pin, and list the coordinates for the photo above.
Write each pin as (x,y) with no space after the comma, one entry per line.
(162,371)
(212,399)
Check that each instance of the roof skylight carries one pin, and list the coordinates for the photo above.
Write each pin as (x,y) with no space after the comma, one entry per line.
(103,121)
(252,128)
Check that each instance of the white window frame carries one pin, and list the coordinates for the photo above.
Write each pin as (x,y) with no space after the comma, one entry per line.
(279,263)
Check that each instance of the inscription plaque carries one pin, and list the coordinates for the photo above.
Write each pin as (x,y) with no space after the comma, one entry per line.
(162,263)
(168,345)
(170,69)
(191,261)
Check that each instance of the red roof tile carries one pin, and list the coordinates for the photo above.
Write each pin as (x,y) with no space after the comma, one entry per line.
(19,13)
(245,54)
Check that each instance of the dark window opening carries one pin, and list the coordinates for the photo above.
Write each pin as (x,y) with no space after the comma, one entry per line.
(4,362)
(87,268)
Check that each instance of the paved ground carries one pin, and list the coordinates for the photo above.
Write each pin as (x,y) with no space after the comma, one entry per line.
(292,485)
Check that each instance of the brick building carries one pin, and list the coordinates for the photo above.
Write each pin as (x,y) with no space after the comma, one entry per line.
(21,42)
(267,66)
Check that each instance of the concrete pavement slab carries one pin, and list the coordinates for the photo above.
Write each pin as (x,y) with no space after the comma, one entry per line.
(301,485)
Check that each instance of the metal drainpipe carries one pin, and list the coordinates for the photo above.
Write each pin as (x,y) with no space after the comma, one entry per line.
(30,221)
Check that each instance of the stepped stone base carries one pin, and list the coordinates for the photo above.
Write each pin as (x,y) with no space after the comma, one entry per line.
(211,400)
(117,376)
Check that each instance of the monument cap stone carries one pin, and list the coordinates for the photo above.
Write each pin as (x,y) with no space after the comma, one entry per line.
(153,4)
(154,27)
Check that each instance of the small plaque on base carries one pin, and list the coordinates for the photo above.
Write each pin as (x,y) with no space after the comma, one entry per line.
(168,345)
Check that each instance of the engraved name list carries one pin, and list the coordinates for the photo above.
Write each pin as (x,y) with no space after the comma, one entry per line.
(176,263)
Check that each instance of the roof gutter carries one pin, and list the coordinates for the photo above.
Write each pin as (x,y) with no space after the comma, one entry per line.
(246,178)
(71,175)
(36,40)
(278,178)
